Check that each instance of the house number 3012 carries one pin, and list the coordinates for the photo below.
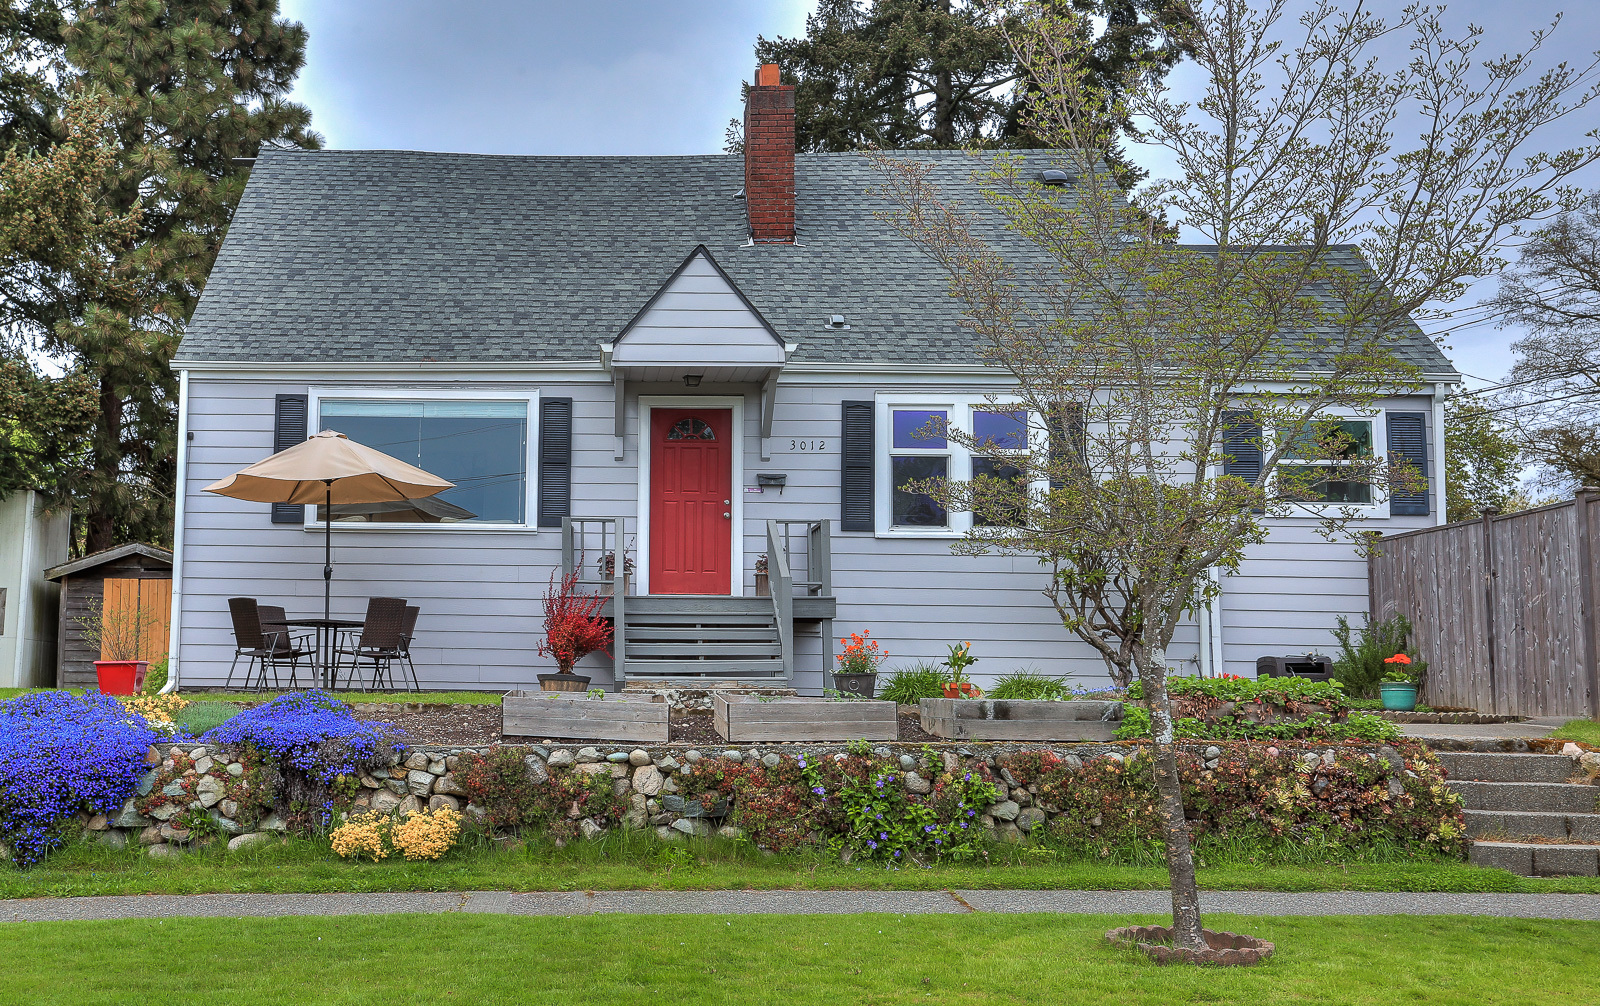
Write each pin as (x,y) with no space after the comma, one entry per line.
(807,446)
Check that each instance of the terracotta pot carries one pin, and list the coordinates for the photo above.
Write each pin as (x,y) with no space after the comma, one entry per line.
(961,690)
(564,682)
(120,677)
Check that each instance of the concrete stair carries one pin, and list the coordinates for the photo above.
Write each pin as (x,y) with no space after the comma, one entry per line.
(1523,814)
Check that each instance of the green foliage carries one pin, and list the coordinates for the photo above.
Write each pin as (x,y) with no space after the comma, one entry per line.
(959,659)
(1350,801)
(1232,688)
(910,685)
(1482,462)
(882,820)
(1029,683)
(1311,727)
(155,677)
(1582,731)
(1360,666)
(501,783)
(198,717)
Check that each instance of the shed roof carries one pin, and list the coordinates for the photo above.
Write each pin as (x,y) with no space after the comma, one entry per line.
(109,555)
(398,256)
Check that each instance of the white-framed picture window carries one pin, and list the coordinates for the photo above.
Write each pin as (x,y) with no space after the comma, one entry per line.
(485,442)
(911,447)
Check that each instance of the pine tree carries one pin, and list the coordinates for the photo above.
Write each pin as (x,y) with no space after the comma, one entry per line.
(938,73)
(194,85)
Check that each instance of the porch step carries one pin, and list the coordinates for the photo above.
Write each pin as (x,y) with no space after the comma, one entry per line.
(687,637)
(1514,824)
(1550,797)
(706,668)
(1506,767)
(1533,859)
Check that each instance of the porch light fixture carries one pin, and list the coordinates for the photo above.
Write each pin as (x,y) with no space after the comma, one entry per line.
(692,380)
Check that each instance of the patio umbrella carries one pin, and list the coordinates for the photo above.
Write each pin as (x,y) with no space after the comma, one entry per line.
(329,469)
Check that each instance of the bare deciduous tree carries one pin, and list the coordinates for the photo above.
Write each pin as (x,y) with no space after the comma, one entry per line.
(1145,366)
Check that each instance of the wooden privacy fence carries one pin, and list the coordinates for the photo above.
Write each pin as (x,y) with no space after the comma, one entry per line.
(146,604)
(1503,608)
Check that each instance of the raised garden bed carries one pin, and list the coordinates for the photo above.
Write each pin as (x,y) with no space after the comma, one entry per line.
(565,716)
(1021,719)
(749,718)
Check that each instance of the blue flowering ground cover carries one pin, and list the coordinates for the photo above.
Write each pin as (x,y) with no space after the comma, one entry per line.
(64,754)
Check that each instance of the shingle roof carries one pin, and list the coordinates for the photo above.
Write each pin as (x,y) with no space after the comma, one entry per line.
(399,256)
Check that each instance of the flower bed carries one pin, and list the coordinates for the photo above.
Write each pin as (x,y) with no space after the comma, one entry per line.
(1235,708)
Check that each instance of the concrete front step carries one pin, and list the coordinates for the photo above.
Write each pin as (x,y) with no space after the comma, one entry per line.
(1531,859)
(1514,824)
(1502,767)
(1549,797)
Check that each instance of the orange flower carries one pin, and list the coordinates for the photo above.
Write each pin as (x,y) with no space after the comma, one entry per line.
(1398,658)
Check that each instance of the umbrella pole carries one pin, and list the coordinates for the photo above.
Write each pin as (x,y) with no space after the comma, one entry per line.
(327,553)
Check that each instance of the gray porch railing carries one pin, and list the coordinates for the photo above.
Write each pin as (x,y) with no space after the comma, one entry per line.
(583,537)
(818,582)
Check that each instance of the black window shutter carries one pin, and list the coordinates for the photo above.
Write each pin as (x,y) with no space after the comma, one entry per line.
(555,460)
(1241,442)
(288,429)
(857,481)
(1068,436)
(1408,443)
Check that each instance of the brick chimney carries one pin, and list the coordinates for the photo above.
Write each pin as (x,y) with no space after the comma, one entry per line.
(769,158)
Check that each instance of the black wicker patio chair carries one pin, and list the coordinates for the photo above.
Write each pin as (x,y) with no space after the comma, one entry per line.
(264,648)
(408,630)
(378,644)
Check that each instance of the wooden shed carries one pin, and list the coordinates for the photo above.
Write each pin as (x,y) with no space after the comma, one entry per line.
(133,576)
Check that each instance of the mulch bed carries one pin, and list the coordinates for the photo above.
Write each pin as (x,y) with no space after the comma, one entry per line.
(478,726)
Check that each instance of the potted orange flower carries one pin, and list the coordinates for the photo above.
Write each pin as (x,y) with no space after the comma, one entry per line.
(1398,689)
(857,673)
(958,687)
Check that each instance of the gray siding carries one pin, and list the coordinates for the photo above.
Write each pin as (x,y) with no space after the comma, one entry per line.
(480,590)
(698,319)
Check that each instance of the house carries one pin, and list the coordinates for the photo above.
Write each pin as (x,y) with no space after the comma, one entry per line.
(703,360)
(31,538)
(130,584)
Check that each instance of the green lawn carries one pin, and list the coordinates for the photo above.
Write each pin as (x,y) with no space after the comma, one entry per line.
(877,959)
(642,862)
(1583,731)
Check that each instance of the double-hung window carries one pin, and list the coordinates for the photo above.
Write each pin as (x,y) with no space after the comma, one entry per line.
(1321,465)
(914,447)
(484,443)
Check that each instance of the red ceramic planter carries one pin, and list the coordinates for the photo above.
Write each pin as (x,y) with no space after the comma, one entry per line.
(961,690)
(120,677)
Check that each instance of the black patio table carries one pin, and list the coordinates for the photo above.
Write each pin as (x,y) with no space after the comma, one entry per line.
(327,640)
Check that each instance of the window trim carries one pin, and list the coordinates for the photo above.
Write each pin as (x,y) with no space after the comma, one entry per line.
(959,467)
(1379,507)
(530,507)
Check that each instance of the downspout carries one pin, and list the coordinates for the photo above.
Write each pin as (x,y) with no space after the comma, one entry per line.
(1440,392)
(175,626)
(1214,617)
(21,672)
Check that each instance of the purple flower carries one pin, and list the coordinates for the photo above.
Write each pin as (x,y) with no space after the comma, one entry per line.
(883,835)
(871,844)
(897,852)
(963,824)
(928,828)
(817,790)
(967,777)
(802,761)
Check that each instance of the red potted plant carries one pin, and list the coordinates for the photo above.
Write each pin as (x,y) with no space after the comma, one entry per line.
(958,687)
(573,629)
(119,635)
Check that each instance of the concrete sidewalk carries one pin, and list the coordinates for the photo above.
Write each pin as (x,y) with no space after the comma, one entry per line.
(565,903)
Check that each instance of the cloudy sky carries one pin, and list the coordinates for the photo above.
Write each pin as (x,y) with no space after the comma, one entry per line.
(661,77)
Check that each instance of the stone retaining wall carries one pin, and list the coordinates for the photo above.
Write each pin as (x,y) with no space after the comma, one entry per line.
(219,784)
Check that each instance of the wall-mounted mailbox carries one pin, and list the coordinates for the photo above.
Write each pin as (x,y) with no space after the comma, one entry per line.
(765,479)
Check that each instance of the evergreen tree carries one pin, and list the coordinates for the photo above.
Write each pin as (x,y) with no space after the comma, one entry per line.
(193,86)
(939,73)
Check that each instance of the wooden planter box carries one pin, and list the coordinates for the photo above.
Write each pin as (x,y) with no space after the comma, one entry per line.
(746,718)
(1020,720)
(578,717)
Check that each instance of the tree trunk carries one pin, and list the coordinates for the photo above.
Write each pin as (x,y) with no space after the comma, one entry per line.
(1174,826)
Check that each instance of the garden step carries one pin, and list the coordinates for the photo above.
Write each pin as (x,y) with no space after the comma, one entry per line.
(1532,859)
(1505,767)
(1514,824)
(1551,797)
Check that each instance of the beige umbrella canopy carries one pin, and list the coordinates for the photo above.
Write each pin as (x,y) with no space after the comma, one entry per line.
(329,469)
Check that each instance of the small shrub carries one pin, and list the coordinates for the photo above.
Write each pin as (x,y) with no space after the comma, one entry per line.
(363,835)
(1029,683)
(910,685)
(501,784)
(1360,665)
(157,710)
(203,717)
(1313,727)
(63,754)
(155,678)
(427,835)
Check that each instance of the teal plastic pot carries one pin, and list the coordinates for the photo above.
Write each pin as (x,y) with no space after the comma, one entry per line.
(1398,695)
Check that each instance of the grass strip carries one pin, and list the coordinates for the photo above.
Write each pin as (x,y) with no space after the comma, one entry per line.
(641,862)
(1583,731)
(879,959)
(429,698)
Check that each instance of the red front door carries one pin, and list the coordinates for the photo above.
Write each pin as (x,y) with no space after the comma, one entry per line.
(691,501)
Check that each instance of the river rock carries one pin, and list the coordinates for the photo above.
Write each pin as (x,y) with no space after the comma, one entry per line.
(419,782)
(147,782)
(733,755)
(668,764)
(248,839)
(1005,810)
(203,765)
(165,812)
(667,834)
(410,805)
(209,791)
(691,756)
(534,768)
(98,822)
(907,762)
(688,827)
(163,851)
(235,769)
(230,808)
(446,785)
(273,822)
(770,760)
(440,802)
(113,838)
(590,829)
(226,825)
(728,831)
(560,757)
(417,761)
(1028,818)
(617,757)
(129,817)
(150,835)
(588,755)
(916,784)
(647,780)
